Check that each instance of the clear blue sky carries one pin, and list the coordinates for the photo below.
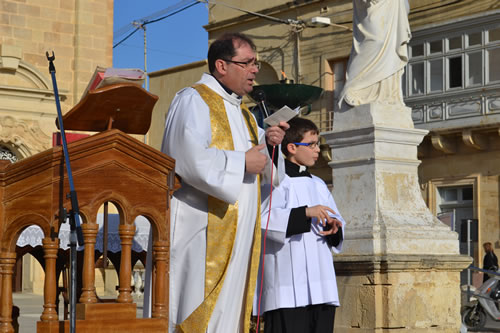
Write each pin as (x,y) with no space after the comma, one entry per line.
(176,40)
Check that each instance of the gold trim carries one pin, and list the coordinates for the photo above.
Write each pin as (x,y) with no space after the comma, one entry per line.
(221,230)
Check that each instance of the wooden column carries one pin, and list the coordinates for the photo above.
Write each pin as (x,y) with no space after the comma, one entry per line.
(50,248)
(7,262)
(160,257)
(126,232)
(88,278)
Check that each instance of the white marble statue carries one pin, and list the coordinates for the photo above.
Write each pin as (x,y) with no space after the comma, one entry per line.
(379,53)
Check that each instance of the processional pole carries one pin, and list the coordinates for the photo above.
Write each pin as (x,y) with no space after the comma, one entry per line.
(74,213)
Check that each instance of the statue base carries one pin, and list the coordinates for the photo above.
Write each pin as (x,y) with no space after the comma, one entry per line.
(400,293)
(397,256)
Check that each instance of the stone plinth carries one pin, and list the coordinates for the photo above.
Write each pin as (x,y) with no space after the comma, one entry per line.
(400,293)
(400,266)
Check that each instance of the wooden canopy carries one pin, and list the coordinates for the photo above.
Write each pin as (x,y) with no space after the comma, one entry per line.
(109,166)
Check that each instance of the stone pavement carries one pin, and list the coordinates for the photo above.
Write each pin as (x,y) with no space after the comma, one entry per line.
(31,308)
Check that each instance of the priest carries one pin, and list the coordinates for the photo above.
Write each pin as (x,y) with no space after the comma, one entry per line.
(223,158)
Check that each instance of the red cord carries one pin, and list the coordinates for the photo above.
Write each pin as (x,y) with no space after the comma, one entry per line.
(264,242)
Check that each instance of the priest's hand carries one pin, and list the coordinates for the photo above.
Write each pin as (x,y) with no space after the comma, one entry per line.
(275,134)
(255,160)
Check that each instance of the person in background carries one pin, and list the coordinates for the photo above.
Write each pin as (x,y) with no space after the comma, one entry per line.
(490,260)
(299,285)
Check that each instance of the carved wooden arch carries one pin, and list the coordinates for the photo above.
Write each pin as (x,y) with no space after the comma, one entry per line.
(117,200)
(16,227)
(155,221)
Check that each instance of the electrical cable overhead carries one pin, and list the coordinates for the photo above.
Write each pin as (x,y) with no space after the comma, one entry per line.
(267,17)
(141,23)
(297,25)
(124,29)
(124,39)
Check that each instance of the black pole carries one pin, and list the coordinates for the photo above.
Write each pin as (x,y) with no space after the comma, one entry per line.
(74,219)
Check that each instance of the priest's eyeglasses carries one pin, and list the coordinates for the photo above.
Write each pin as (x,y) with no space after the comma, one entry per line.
(311,145)
(245,64)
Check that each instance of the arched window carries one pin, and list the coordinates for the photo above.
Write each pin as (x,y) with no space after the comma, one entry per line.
(7,154)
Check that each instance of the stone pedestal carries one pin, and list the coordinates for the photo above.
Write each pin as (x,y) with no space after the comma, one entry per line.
(400,265)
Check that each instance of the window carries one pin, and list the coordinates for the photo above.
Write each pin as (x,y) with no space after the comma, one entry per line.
(7,154)
(455,43)
(458,203)
(454,72)
(494,66)
(494,35)
(475,69)
(456,62)
(417,50)
(460,196)
(436,73)
(474,39)
(436,47)
(417,74)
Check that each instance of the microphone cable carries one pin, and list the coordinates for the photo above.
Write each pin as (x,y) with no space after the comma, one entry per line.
(264,242)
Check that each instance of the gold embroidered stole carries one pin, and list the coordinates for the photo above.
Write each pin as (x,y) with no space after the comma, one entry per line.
(222,222)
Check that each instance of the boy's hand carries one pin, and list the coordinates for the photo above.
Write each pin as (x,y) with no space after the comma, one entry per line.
(336,224)
(320,212)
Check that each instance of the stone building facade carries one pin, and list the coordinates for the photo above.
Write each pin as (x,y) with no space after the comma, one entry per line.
(80,33)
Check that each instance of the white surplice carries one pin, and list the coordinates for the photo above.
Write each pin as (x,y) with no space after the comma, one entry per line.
(219,173)
(298,270)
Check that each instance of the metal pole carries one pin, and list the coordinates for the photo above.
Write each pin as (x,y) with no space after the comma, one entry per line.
(105,237)
(297,57)
(142,25)
(468,253)
(76,230)
(72,294)
(146,82)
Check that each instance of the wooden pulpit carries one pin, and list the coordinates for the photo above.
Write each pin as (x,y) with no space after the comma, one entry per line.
(110,166)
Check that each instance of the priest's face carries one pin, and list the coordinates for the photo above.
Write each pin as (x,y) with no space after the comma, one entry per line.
(308,154)
(240,71)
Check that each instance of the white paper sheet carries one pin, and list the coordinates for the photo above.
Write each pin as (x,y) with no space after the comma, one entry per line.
(283,114)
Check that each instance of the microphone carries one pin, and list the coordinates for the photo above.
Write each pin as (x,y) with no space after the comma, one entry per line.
(261,98)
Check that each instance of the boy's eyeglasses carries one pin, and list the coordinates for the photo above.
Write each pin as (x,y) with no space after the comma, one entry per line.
(311,145)
(245,64)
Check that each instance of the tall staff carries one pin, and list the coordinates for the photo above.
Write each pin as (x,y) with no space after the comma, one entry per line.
(74,217)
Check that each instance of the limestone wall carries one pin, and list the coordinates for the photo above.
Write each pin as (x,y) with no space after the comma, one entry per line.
(79,32)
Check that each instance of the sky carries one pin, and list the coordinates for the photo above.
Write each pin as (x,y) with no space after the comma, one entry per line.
(173,41)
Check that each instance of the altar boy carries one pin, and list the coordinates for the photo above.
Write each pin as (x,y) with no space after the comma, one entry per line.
(299,285)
